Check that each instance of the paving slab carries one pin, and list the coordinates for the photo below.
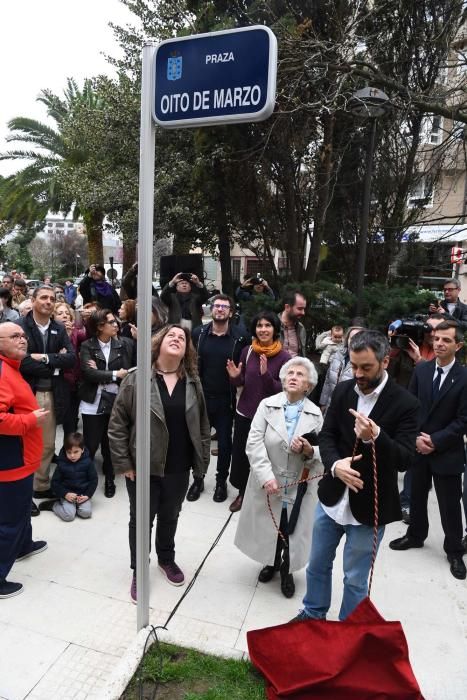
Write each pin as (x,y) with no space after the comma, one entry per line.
(72,633)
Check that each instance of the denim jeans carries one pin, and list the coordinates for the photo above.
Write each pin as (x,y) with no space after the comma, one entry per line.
(357,562)
(406,490)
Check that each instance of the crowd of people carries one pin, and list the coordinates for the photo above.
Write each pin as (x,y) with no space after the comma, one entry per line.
(297,439)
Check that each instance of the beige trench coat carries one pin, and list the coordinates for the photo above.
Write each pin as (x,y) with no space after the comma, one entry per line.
(270,458)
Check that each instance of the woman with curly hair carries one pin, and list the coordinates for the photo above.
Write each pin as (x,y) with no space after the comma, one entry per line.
(180,441)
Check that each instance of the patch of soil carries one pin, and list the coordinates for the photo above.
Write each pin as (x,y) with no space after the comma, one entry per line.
(174,690)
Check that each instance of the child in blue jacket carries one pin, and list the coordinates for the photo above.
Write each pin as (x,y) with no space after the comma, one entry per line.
(74,480)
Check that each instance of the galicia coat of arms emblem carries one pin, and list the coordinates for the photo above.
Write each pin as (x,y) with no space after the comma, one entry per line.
(174,67)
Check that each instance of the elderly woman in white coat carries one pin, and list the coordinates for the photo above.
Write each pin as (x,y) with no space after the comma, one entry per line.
(280,451)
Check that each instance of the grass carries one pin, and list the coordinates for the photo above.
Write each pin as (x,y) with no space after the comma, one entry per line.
(190,675)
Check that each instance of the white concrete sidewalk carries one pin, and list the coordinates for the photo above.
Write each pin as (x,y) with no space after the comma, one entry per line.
(65,635)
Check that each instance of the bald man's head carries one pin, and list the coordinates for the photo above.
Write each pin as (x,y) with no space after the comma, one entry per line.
(13,341)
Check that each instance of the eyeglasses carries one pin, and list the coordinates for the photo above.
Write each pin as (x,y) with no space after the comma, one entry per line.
(14,336)
(221,306)
(449,289)
(113,322)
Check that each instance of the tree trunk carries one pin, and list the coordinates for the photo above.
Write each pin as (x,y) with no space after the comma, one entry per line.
(93,224)
(323,178)
(224,258)
(129,254)
(293,247)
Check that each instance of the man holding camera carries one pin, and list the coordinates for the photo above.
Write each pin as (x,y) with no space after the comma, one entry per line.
(451,304)
(184,296)
(252,286)
(441,387)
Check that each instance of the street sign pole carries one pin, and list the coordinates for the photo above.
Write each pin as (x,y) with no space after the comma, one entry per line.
(143,383)
(218,78)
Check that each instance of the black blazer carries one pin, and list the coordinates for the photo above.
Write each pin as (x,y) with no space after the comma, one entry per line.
(120,357)
(33,370)
(396,413)
(445,419)
(459,313)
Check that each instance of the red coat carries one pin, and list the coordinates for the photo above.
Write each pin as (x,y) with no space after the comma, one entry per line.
(21,441)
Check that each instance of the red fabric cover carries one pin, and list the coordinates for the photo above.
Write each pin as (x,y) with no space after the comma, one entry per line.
(362,658)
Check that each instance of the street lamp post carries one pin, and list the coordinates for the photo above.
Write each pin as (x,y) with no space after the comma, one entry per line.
(370,103)
(77,257)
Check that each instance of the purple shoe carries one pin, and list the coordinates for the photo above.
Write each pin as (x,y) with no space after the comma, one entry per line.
(173,573)
(133,595)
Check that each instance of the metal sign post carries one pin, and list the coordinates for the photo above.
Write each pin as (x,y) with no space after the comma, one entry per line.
(218,78)
(143,383)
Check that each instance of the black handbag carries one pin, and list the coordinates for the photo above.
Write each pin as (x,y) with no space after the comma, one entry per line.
(106,402)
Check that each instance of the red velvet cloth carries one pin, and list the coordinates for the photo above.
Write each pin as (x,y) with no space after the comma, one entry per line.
(362,658)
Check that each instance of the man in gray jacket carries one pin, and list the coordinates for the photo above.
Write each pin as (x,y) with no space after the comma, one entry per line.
(293,333)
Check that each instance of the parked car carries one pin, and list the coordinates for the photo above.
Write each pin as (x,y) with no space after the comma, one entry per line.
(32,284)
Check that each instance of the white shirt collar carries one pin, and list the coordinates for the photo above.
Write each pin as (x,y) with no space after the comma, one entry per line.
(446,368)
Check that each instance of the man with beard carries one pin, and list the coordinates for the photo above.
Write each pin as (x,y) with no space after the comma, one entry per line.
(369,407)
(293,333)
(217,342)
(184,296)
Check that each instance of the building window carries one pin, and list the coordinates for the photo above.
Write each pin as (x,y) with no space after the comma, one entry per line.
(253,266)
(421,195)
(59,225)
(431,132)
(236,265)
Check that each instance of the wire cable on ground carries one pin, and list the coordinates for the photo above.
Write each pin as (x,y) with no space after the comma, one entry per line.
(153,631)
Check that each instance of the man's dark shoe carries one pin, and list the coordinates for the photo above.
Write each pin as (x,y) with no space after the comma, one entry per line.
(37,547)
(405,542)
(236,505)
(220,492)
(8,589)
(109,488)
(34,510)
(266,573)
(47,505)
(44,494)
(458,569)
(195,490)
(301,617)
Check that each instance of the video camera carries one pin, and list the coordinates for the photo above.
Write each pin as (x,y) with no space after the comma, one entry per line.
(187,276)
(405,328)
(259,279)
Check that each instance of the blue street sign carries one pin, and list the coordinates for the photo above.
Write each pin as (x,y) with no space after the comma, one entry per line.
(221,77)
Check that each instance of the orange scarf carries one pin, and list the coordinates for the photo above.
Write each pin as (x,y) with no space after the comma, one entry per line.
(268,350)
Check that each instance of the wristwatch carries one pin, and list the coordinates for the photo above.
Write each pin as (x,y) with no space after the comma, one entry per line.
(44,359)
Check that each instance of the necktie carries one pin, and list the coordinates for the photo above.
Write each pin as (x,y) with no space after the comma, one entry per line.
(436,384)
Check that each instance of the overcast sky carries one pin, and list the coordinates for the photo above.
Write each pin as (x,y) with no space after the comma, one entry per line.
(42,43)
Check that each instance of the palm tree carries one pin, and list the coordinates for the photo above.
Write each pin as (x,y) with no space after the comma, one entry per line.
(39,187)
